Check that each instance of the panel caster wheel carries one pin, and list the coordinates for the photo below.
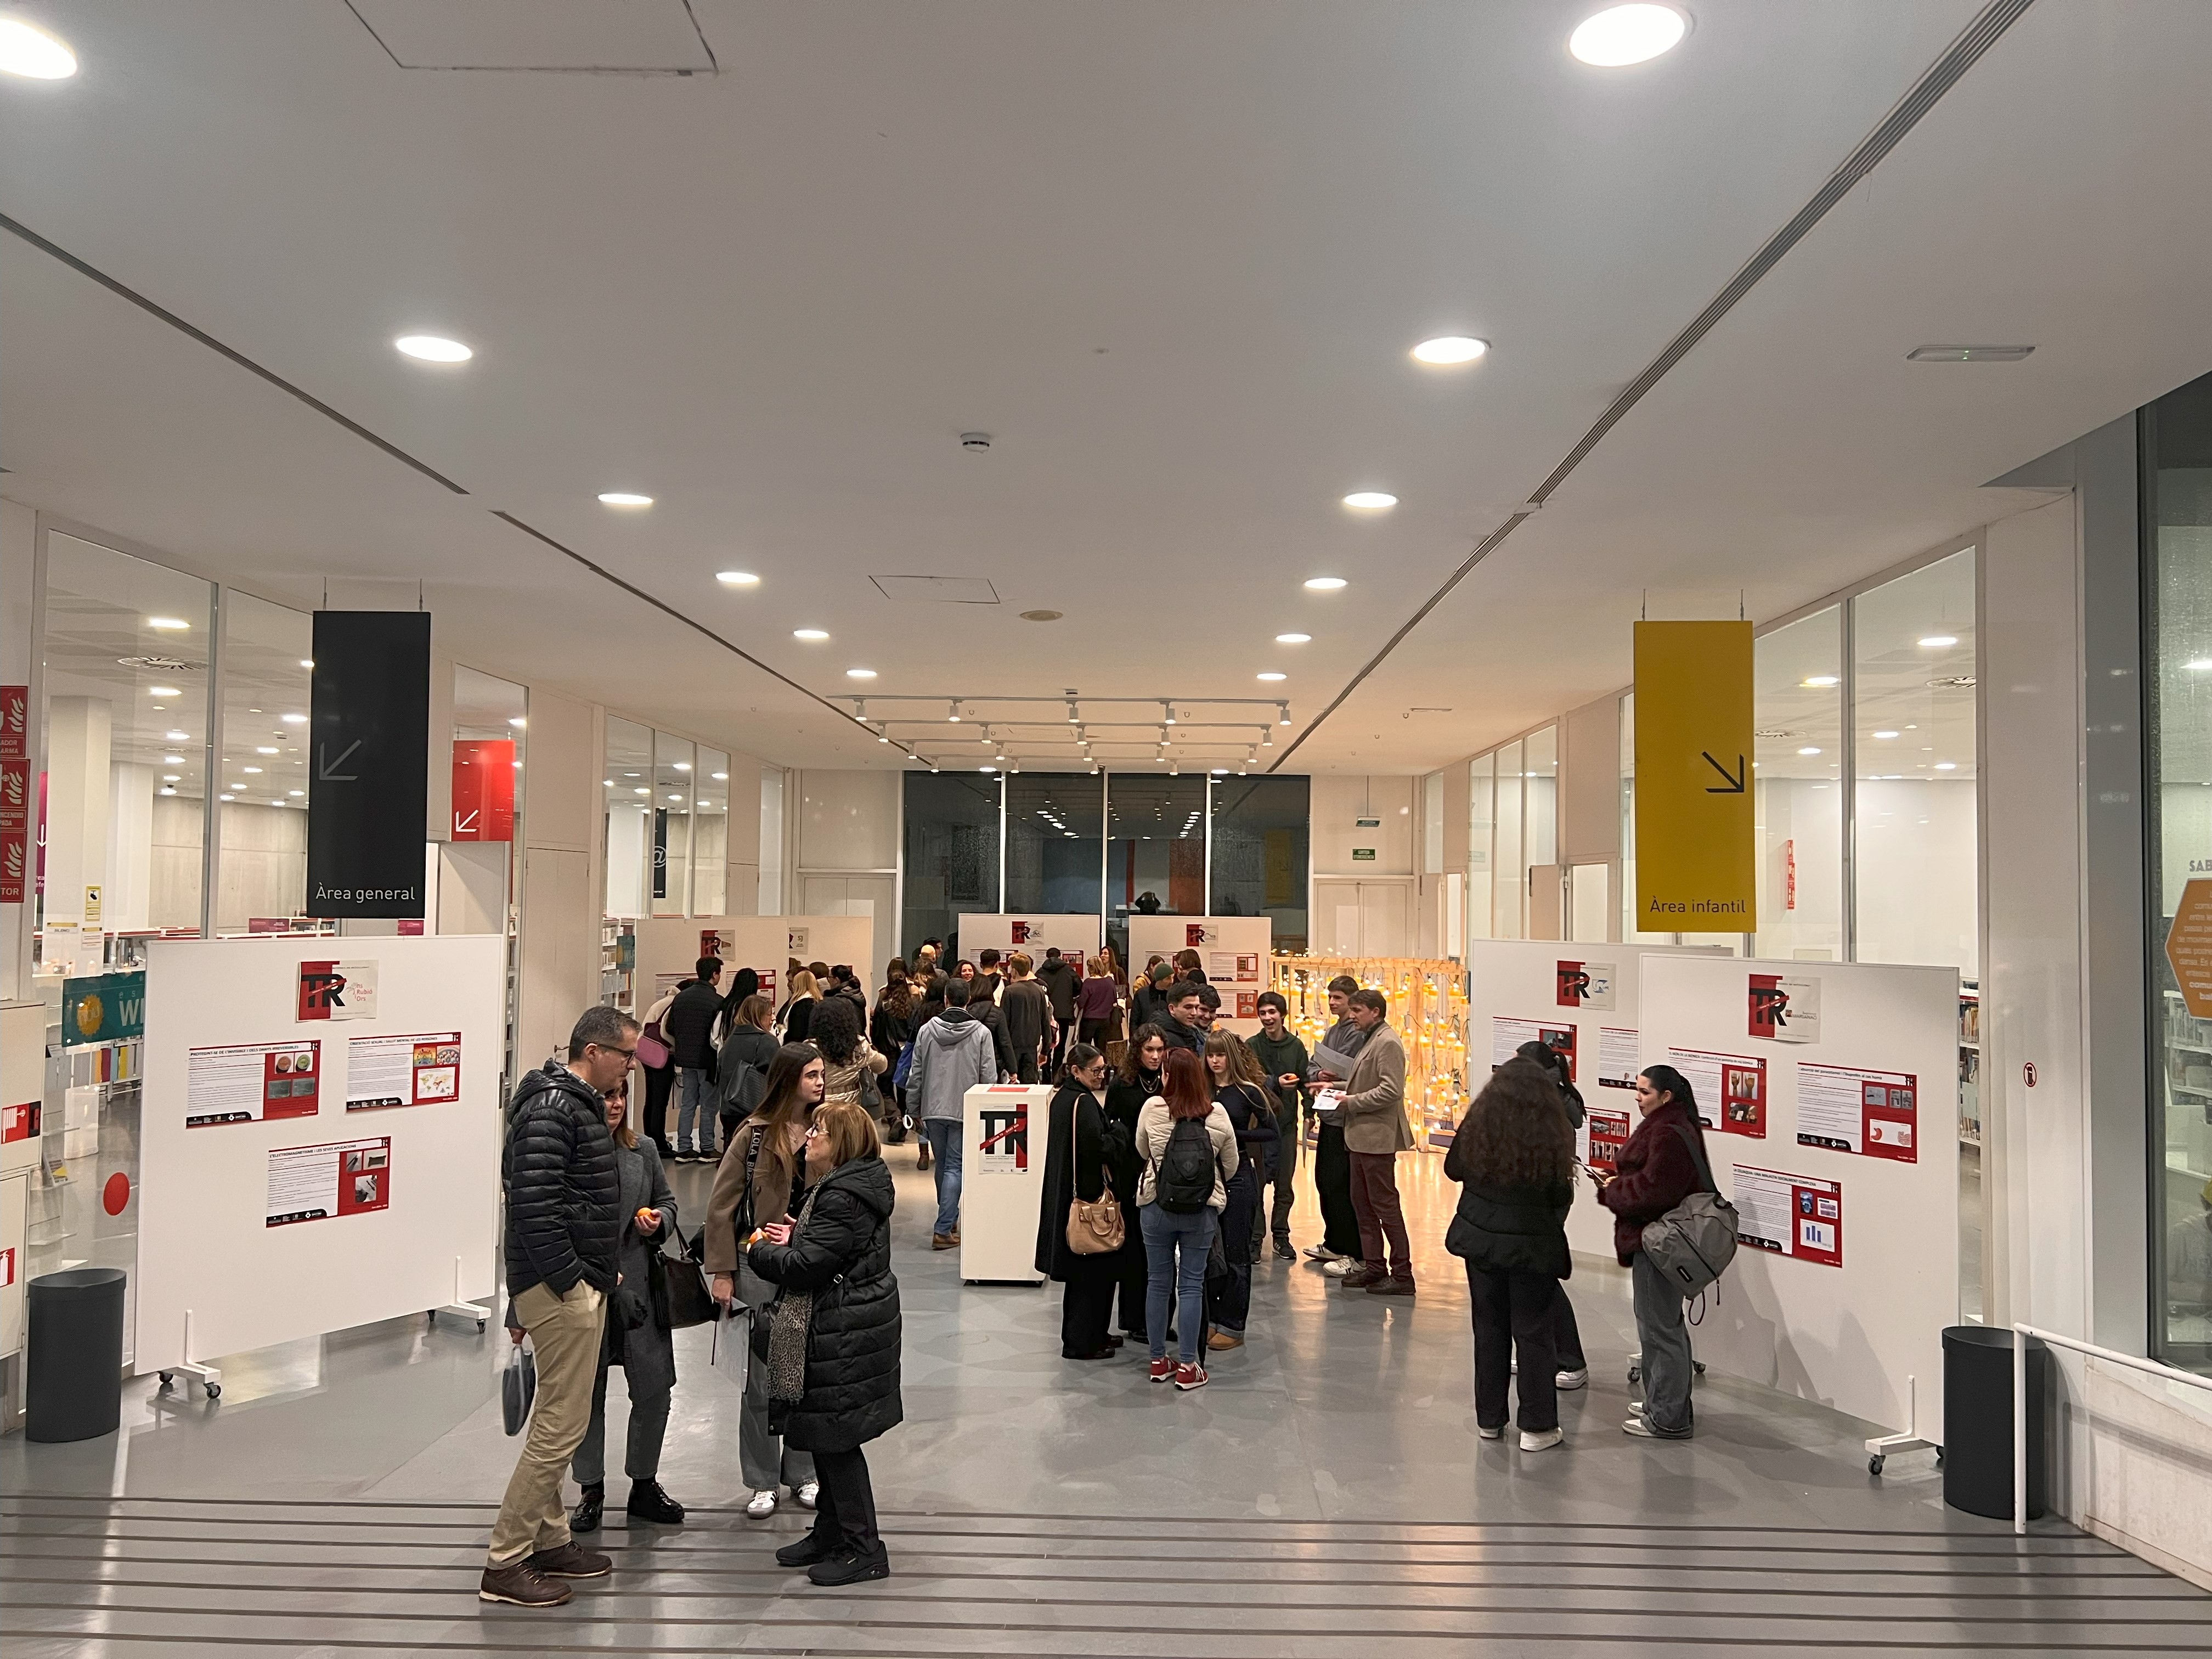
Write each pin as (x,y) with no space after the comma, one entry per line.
(433,1317)
(480,1327)
(1698,1366)
(1635,1373)
(214,1390)
(1874,1463)
(168,1377)
(1939,1457)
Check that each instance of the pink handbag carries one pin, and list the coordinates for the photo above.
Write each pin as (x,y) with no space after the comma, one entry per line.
(652,1049)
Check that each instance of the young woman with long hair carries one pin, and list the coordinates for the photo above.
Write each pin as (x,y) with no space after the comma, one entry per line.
(1514,1157)
(762,1180)
(891,1028)
(1663,1163)
(1133,1082)
(1239,1088)
(848,1056)
(1182,1138)
(1087,1155)
(799,1011)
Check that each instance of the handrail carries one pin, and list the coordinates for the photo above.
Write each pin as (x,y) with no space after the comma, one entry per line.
(2149,1367)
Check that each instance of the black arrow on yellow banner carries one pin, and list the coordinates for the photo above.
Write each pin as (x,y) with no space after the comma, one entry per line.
(1735,780)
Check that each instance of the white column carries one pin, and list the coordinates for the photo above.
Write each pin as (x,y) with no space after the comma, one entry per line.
(128,903)
(77,787)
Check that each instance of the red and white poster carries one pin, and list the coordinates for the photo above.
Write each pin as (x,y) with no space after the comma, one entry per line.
(1784,1008)
(1507,1035)
(313,1183)
(1248,1005)
(1731,1090)
(1851,1110)
(1791,1215)
(337,990)
(252,1082)
(403,1071)
(15,793)
(483,789)
(1002,1146)
(20,1122)
(1584,985)
(1608,1134)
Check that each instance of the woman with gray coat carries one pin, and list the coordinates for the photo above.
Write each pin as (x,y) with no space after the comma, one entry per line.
(636,1339)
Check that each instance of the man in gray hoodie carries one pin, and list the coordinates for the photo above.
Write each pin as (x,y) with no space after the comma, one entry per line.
(952,1054)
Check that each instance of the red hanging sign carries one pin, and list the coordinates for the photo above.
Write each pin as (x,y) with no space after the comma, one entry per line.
(483,789)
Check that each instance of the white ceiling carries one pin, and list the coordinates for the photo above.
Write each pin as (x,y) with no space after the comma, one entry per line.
(1170,255)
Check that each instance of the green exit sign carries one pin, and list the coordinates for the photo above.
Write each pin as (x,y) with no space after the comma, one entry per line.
(1362,855)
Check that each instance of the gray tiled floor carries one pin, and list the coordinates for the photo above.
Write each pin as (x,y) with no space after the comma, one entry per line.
(1325,1496)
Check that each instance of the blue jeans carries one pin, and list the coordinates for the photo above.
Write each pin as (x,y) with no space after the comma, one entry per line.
(947,1135)
(1163,1231)
(697,1106)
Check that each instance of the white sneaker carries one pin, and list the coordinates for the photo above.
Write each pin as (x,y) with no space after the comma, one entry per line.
(1498,1433)
(1540,1439)
(1322,1253)
(762,1505)
(1338,1267)
(810,1494)
(1578,1378)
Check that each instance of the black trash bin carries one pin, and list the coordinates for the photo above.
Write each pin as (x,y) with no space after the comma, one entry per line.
(1977,1421)
(74,1377)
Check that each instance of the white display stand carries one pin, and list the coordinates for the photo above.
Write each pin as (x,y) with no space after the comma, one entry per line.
(1245,938)
(670,945)
(1002,1181)
(1070,936)
(1516,984)
(1865,1337)
(22,1096)
(215,1277)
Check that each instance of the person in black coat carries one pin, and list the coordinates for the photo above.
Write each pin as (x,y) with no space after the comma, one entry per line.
(741,1067)
(1084,1150)
(689,1025)
(1136,1081)
(839,1252)
(1514,1157)
(1566,1332)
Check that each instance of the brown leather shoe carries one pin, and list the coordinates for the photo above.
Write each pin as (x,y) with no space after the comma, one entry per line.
(1388,1286)
(571,1560)
(1222,1341)
(517,1584)
(940,1241)
(1361,1277)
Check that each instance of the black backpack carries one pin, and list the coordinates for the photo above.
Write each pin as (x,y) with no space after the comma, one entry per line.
(1184,1181)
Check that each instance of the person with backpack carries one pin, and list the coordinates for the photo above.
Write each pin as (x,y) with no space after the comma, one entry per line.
(1663,1163)
(762,1180)
(1514,1157)
(1566,1332)
(741,1065)
(1188,1149)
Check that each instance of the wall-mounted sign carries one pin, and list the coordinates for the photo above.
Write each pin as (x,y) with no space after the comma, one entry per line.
(15,792)
(483,789)
(1783,1007)
(1367,824)
(337,990)
(368,762)
(1362,855)
(108,1008)
(1696,861)
(2188,946)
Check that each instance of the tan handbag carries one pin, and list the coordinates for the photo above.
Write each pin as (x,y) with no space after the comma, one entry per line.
(1096,1228)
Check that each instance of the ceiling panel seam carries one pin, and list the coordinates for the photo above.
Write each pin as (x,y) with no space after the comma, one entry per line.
(1982,33)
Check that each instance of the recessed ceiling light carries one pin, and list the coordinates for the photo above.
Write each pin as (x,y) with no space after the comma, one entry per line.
(223,797)
(306,662)
(264,750)
(295,794)
(1621,35)
(624,498)
(168,624)
(33,53)
(1325,584)
(1808,750)
(172,760)
(1947,766)
(1885,734)
(177,737)
(1969,353)
(1272,675)
(2199,666)
(163,691)
(1293,639)
(435,348)
(171,777)
(860,674)
(250,771)
(722,777)
(1370,500)
(682,766)
(1449,349)
(1939,641)
(640,792)
(1822,681)
(808,633)
(517,721)
(987,768)
(737,579)
(293,720)
(610,782)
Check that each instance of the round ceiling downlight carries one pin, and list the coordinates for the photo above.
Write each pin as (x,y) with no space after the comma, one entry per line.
(1325,584)
(1370,500)
(433,349)
(1621,35)
(1449,350)
(33,53)
(737,579)
(624,498)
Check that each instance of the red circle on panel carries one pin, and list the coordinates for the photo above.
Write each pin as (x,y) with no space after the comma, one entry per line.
(116,1193)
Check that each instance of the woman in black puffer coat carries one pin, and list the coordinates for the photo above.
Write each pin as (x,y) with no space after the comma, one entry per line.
(840,1252)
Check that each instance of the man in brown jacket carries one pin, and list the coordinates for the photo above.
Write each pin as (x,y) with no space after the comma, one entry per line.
(1375,1133)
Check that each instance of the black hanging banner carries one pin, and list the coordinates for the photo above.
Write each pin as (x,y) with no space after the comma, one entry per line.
(369,763)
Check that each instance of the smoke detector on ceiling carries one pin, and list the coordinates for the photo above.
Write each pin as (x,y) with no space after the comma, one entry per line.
(975,441)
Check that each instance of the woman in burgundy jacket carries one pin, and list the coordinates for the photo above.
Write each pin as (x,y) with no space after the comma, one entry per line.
(1663,1163)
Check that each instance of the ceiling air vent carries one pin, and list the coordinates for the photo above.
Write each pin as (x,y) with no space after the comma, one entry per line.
(1776,731)
(541,37)
(160,664)
(1953,683)
(1969,353)
(938,590)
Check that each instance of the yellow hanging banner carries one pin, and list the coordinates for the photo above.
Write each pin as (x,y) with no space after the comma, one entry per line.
(1697,865)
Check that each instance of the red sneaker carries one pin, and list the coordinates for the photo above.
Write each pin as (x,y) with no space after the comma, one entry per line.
(1190,1376)
(1161,1370)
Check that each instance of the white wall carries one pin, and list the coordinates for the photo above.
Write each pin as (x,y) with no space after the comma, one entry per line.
(128,903)
(844,842)
(562,885)
(1916,837)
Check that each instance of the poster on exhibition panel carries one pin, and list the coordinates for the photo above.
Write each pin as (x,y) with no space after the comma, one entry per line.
(337,990)
(1731,1090)
(1585,984)
(252,1082)
(1849,1109)
(1784,1007)
(1607,1131)
(1507,1035)
(1232,953)
(314,1183)
(1076,937)
(403,1071)
(1791,1215)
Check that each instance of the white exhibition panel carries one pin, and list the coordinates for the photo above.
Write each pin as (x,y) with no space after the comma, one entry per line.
(207,1249)
(1072,936)
(1848,1336)
(1002,1181)
(671,945)
(1522,989)
(1242,943)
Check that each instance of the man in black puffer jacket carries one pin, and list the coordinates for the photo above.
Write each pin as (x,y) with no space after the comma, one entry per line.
(564,1227)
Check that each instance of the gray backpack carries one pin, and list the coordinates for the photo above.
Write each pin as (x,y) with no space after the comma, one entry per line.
(1693,1243)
